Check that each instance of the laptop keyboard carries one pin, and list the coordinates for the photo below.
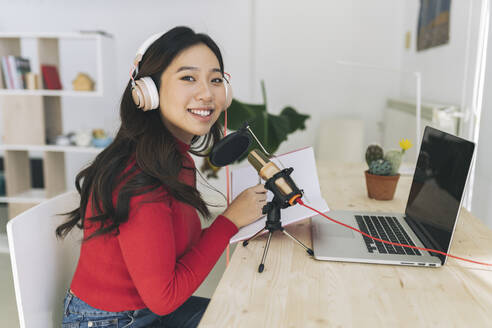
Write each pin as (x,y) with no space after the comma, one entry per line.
(387,228)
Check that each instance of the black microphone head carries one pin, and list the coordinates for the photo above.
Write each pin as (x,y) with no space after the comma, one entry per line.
(230,148)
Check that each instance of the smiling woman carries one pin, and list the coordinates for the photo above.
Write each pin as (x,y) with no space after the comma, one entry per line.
(139,198)
(192,93)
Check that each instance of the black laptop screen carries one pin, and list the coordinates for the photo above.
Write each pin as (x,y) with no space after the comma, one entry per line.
(437,187)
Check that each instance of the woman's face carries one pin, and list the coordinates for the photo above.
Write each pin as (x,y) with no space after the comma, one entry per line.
(192,93)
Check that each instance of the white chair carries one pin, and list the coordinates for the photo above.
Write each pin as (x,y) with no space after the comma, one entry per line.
(43,265)
(340,140)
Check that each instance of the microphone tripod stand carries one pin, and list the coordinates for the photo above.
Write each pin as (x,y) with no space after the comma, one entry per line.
(272,210)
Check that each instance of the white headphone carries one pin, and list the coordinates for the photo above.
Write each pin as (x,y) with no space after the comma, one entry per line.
(144,91)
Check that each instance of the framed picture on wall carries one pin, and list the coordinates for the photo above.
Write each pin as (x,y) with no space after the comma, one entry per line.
(433,26)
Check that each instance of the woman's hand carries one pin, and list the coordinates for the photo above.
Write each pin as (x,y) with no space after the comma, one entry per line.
(247,207)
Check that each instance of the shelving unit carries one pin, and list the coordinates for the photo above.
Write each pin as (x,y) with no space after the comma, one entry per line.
(53,148)
(60,93)
(31,117)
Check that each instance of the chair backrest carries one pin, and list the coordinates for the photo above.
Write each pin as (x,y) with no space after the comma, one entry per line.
(340,140)
(43,265)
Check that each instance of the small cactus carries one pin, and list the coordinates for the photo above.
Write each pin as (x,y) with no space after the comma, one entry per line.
(373,153)
(380,167)
(394,157)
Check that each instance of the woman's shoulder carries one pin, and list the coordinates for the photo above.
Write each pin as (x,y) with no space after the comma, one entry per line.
(157,196)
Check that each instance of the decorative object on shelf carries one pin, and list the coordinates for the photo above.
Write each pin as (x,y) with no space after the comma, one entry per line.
(67,139)
(51,79)
(100,138)
(83,82)
(62,140)
(71,137)
(31,80)
(83,138)
(270,129)
(382,175)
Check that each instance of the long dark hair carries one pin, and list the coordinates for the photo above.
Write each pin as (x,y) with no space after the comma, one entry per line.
(144,137)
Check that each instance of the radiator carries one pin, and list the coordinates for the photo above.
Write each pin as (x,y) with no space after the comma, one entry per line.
(400,122)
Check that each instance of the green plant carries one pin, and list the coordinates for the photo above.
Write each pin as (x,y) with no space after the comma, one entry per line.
(388,163)
(270,129)
(394,157)
(380,167)
(373,153)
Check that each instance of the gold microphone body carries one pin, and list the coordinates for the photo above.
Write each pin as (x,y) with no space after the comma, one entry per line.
(267,169)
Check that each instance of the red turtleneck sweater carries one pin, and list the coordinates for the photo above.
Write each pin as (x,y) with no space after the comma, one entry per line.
(159,258)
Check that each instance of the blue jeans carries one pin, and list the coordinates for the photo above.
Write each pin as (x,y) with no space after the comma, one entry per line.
(78,314)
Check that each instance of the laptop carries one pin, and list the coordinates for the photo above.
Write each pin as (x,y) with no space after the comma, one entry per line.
(429,220)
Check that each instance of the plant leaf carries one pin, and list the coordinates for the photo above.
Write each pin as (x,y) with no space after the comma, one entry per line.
(270,129)
(240,112)
(295,119)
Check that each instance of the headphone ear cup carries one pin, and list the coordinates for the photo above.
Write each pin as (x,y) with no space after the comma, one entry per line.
(152,92)
(137,95)
(228,93)
(145,94)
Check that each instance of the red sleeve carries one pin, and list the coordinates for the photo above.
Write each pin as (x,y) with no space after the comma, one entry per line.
(147,244)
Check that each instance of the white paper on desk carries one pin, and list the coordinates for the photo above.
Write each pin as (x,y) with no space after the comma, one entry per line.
(305,177)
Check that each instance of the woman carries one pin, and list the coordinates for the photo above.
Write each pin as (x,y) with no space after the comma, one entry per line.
(144,252)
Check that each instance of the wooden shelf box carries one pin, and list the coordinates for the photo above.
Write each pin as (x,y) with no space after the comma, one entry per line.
(32,117)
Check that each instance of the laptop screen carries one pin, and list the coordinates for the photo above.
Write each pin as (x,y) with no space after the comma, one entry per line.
(437,188)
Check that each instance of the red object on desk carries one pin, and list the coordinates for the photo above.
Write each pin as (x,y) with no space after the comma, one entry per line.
(50,77)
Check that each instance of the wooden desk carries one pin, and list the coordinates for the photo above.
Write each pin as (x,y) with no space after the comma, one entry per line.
(298,291)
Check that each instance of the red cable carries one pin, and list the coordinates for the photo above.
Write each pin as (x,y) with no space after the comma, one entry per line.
(299,201)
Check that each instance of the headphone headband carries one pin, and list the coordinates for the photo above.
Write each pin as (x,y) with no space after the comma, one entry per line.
(146,44)
(141,51)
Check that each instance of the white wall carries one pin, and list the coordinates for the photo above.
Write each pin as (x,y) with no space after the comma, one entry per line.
(482,191)
(296,49)
(442,67)
(298,46)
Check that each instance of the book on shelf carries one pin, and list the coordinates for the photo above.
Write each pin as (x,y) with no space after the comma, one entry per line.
(7,73)
(23,67)
(51,79)
(2,79)
(14,69)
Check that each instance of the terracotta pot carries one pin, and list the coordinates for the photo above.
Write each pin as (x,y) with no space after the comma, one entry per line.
(381,187)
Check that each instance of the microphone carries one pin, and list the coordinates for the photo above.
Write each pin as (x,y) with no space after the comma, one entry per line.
(230,148)
(268,170)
